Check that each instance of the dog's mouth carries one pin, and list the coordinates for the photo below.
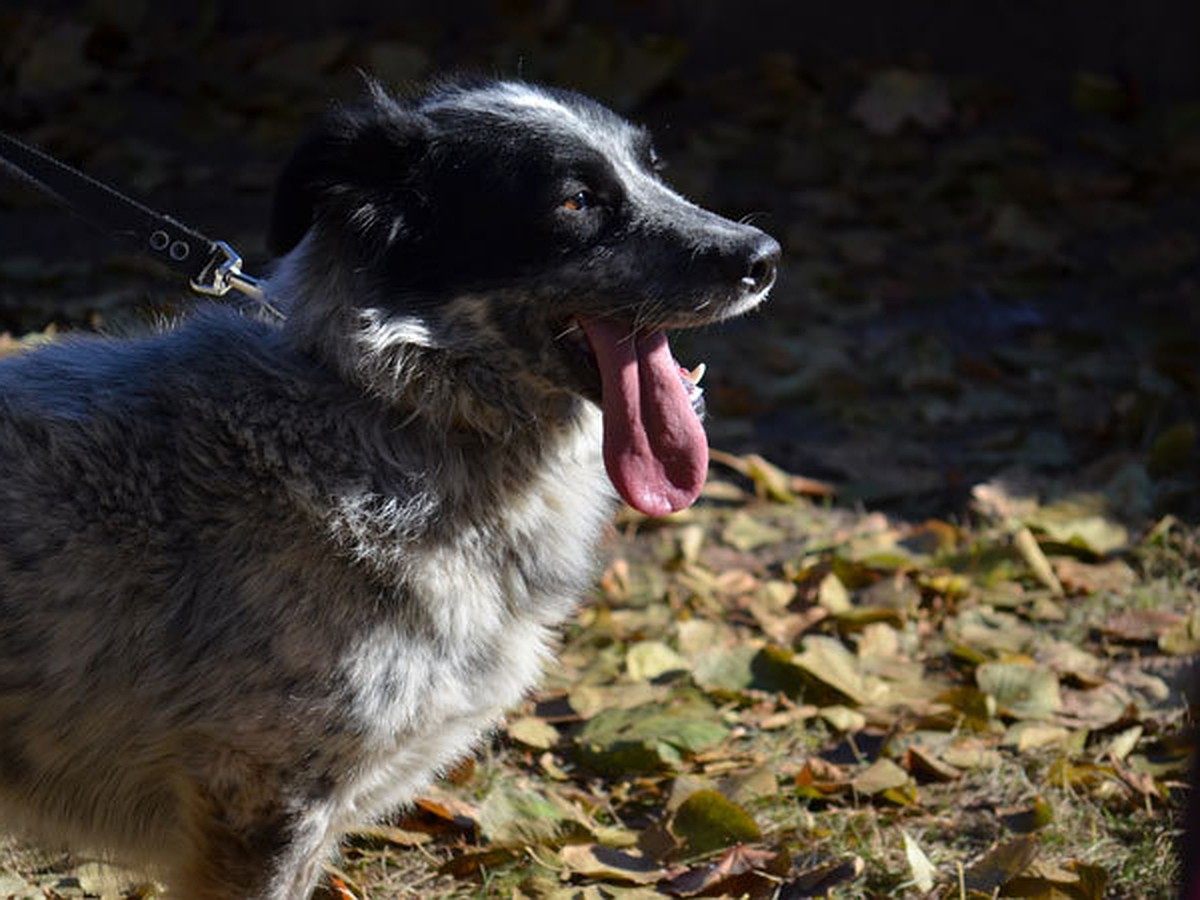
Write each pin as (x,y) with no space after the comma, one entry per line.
(655,448)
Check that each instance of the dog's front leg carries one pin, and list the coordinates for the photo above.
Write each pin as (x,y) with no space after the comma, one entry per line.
(250,833)
(275,858)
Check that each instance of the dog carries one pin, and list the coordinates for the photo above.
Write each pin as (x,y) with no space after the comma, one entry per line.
(260,581)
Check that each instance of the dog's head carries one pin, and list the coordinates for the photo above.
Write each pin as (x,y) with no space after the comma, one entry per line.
(520,236)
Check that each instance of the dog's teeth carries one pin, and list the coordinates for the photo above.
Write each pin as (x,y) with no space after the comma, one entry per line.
(697,373)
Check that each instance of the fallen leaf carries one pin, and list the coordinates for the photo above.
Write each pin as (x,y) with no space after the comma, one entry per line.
(1027,819)
(1029,736)
(1097,534)
(517,812)
(1141,625)
(747,533)
(1074,881)
(1020,690)
(1122,743)
(1000,865)
(1027,546)
(389,834)
(832,594)
(729,670)
(588,700)
(882,775)
(610,864)
(533,732)
(925,766)
(832,667)
(818,776)
(819,881)
(1182,639)
(1089,578)
(708,821)
(919,866)
(647,738)
(843,719)
(647,660)
(741,871)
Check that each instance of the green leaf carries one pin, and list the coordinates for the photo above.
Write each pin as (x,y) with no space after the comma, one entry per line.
(515,812)
(647,738)
(730,670)
(708,821)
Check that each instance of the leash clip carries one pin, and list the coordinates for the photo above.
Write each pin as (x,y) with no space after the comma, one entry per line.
(227,276)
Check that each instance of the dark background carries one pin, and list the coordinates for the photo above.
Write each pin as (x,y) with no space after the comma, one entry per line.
(988,209)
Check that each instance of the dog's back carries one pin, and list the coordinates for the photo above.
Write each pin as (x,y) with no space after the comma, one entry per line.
(259,581)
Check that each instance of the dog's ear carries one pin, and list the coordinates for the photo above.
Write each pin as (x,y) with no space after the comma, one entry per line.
(358,159)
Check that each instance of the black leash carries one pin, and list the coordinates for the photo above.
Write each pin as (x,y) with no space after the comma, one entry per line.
(211,267)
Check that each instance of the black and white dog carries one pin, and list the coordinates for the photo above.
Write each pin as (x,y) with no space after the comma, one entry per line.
(259,582)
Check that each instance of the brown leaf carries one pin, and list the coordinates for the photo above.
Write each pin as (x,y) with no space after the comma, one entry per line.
(1080,577)
(1027,819)
(820,881)
(1075,880)
(436,813)
(390,834)
(925,766)
(741,871)
(1000,865)
(822,777)
(1137,626)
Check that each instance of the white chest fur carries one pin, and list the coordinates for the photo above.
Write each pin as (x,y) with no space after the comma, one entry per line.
(488,598)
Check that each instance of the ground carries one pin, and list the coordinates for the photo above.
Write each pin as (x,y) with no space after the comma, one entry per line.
(928,630)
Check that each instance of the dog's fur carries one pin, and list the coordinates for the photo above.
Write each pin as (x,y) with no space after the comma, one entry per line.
(260,581)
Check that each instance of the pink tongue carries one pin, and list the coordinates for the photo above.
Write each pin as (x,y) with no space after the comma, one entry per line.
(655,448)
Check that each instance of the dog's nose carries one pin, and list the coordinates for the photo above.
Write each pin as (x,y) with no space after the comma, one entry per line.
(761,264)
(750,262)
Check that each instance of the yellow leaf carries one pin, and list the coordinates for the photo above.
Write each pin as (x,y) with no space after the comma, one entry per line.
(832,594)
(880,776)
(918,864)
(610,864)
(533,732)
(647,660)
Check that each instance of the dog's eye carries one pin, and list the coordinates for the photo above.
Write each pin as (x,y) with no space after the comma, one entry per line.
(580,200)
